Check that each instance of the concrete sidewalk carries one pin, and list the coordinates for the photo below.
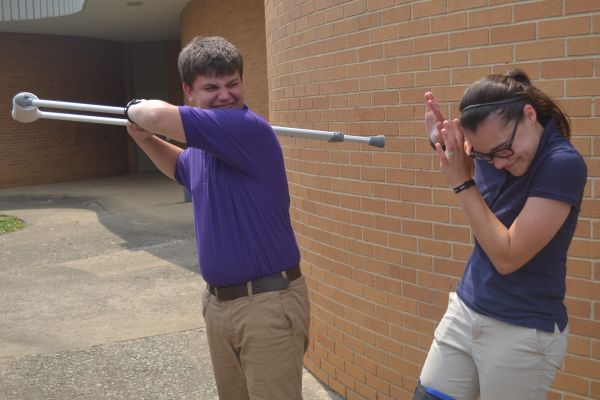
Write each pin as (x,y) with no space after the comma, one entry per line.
(100,295)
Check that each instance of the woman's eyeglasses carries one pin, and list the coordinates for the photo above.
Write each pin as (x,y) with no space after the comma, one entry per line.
(503,152)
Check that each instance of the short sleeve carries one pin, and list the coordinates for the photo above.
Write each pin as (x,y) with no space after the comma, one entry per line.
(182,170)
(561,176)
(236,136)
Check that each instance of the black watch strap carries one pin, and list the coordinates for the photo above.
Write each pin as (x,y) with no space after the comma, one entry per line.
(464,185)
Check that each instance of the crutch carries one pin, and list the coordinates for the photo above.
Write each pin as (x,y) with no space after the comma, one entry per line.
(26,109)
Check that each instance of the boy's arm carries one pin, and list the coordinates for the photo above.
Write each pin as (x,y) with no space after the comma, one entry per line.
(163,154)
(157,116)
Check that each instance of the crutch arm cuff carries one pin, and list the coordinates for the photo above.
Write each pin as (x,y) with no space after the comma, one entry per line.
(131,103)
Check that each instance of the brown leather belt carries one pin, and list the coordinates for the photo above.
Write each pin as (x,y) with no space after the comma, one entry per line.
(268,283)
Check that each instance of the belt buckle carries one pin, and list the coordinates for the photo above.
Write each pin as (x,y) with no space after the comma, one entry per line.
(230,292)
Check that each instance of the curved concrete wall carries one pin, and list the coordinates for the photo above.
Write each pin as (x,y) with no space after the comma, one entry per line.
(60,68)
(242,22)
(383,239)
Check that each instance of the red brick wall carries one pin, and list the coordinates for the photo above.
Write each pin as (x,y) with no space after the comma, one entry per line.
(59,68)
(383,239)
(242,22)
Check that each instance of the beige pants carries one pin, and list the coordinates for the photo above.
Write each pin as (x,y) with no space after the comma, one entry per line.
(474,355)
(257,343)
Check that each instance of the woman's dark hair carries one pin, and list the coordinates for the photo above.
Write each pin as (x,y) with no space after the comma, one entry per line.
(209,56)
(507,95)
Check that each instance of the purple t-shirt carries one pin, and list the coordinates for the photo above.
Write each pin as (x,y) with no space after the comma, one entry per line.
(532,296)
(235,171)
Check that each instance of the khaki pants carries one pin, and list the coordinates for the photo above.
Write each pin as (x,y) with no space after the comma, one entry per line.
(474,355)
(257,343)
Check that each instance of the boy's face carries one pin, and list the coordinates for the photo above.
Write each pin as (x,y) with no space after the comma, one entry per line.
(209,91)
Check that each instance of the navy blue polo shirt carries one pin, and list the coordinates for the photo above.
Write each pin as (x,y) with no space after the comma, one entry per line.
(235,172)
(533,295)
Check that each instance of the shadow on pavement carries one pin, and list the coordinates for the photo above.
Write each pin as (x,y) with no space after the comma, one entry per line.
(100,295)
(137,231)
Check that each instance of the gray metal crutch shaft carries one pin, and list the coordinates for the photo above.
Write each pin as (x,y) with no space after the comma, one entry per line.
(26,109)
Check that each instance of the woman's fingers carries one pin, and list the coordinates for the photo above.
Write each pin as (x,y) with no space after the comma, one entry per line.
(438,114)
(433,120)
(450,154)
(452,136)
(433,123)
(433,106)
(431,126)
(460,137)
(441,152)
(448,135)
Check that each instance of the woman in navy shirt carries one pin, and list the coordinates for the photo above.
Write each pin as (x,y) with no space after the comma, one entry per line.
(520,184)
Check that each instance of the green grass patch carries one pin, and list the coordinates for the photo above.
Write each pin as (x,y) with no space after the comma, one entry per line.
(10,224)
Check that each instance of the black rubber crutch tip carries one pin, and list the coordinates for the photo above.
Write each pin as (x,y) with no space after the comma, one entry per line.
(377,141)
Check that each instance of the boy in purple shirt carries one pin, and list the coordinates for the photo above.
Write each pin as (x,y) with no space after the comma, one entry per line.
(256,303)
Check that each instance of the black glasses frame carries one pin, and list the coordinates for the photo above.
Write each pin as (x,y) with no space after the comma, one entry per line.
(506,151)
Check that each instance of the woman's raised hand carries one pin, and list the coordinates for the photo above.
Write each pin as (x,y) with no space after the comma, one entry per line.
(433,119)
(455,162)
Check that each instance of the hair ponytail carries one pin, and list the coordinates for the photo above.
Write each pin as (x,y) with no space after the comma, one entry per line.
(507,94)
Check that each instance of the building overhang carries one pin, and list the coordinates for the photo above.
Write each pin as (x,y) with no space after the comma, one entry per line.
(117,20)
